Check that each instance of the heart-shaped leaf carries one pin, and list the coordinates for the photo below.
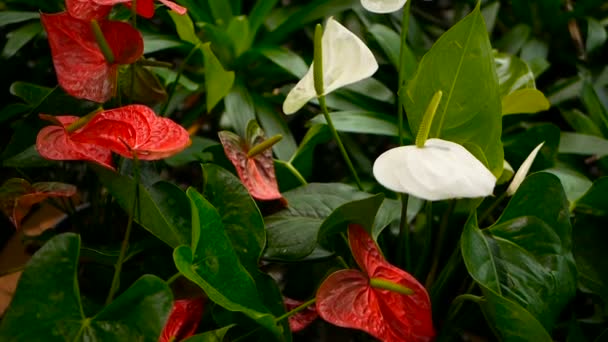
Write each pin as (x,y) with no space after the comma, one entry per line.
(54,298)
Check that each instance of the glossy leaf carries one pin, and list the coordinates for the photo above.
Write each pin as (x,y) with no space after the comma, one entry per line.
(92,78)
(575,184)
(216,335)
(213,264)
(55,143)
(524,262)
(460,63)
(389,41)
(19,38)
(134,129)
(589,248)
(183,319)
(17,196)
(257,172)
(138,313)
(141,85)
(163,208)
(527,101)
(14,17)
(513,74)
(576,143)
(218,81)
(347,299)
(362,122)
(593,201)
(244,226)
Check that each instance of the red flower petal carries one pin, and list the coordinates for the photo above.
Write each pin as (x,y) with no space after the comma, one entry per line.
(302,319)
(346,298)
(256,173)
(86,9)
(54,143)
(183,320)
(81,67)
(174,7)
(145,8)
(17,196)
(135,129)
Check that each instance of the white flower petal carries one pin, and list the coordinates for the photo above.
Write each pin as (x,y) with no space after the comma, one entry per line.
(439,170)
(383,6)
(521,173)
(346,60)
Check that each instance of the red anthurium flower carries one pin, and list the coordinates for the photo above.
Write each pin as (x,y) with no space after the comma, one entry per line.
(302,319)
(183,320)
(54,142)
(134,129)
(348,299)
(255,171)
(82,70)
(97,9)
(17,196)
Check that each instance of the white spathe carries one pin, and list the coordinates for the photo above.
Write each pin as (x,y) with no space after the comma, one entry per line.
(346,60)
(521,173)
(439,170)
(383,6)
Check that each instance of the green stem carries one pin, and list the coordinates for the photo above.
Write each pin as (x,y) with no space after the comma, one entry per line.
(104,47)
(180,71)
(297,309)
(334,132)
(384,284)
(319,88)
(264,145)
(296,173)
(426,252)
(125,242)
(403,250)
(439,243)
(405,21)
(134,13)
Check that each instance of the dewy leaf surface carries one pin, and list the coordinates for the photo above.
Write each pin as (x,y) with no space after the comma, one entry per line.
(56,314)
(461,64)
(524,262)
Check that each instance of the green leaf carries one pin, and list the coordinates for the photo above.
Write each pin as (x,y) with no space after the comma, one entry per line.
(163,208)
(515,39)
(518,147)
(221,11)
(460,64)
(527,101)
(32,94)
(19,37)
(362,122)
(244,226)
(258,14)
(194,152)
(361,212)
(212,263)
(218,81)
(575,184)
(390,43)
(302,158)
(156,42)
(216,335)
(240,108)
(589,247)
(596,35)
(141,87)
(274,123)
(13,17)
(28,158)
(513,74)
(524,262)
(47,305)
(594,200)
(490,12)
(581,122)
(185,28)
(238,31)
(286,59)
(594,106)
(583,144)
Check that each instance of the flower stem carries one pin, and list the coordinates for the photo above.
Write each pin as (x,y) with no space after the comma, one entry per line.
(297,309)
(104,47)
(439,243)
(319,88)
(173,278)
(403,250)
(180,71)
(153,63)
(405,22)
(125,242)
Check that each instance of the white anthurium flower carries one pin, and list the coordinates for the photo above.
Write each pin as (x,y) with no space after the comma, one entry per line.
(346,60)
(436,171)
(521,173)
(383,6)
